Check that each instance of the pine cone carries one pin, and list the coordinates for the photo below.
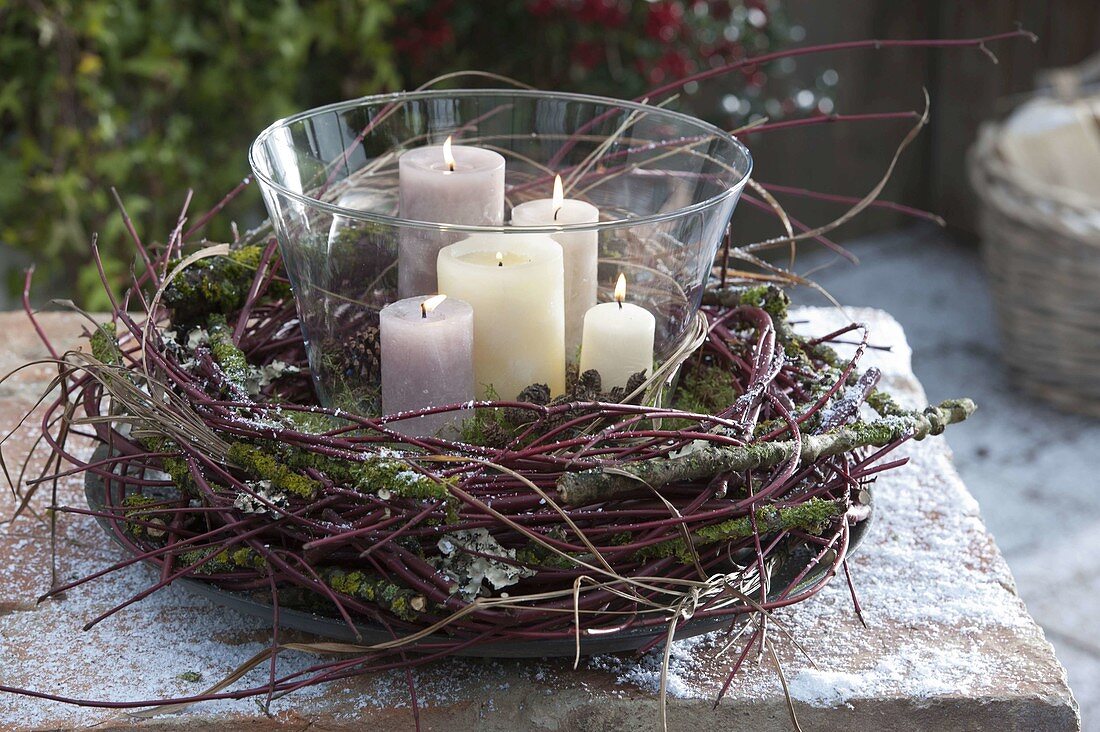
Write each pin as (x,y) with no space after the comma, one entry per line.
(496,435)
(634,382)
(534,394)
(362,357)
(589,386)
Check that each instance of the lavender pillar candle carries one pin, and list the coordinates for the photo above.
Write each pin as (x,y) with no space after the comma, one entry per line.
(444,184)
(427,361)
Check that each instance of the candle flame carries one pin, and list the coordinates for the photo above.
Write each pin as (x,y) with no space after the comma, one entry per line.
(620,289)
(559,196)
(500,259)
(447,156)
(431,304)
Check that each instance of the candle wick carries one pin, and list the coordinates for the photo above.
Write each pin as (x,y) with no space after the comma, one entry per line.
(423,311)
(556,212)
(620,304)
(500,262)
(451,167)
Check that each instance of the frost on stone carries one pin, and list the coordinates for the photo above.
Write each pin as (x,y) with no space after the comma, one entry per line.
(468,560)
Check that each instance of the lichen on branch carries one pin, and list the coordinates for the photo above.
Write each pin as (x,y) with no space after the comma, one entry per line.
(596,484)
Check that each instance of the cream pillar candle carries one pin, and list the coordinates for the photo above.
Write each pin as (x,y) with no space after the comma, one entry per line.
(515,284)
(427,360)
(618,339)
(445,184)
(580,254)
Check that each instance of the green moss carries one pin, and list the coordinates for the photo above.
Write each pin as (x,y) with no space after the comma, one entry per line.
(193,677)
(706,389)
(216,285)
(268,466)
(315,423)
(105,344)
(769,298)
(139,511)
(884,404)
(396,477)
(225,560)
(813,517)
(177,467)
(488,427)
(401,601)
(225,352)
(537,555)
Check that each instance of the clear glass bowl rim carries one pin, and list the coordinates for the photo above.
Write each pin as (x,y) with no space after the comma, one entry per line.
(376,99)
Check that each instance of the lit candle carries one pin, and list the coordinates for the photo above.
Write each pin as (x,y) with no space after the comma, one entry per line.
(515,284)
(427,360)
(618,339)
(580,251)
(445,184)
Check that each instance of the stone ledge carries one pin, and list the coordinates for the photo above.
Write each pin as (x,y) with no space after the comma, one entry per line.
(949,643)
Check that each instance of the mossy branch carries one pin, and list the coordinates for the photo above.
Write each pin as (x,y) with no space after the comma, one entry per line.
(404,603)
(812,516)
(595,485)
(267,466)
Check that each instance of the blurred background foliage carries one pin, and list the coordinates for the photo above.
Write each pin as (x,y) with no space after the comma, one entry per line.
(156,97)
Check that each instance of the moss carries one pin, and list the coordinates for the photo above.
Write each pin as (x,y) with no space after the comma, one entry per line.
(813,517)
(884,404)
(177,467)
(401,601)
(139,511)
(706,389)
(315,423)
(216,285)
(769,298)
(268,466)
(537,555)
(193,677)
(226,354)
(487,426)
(763,428)
(105,344)
(225,560)
(396,477)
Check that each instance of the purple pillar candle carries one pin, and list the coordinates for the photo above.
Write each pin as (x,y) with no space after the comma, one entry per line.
(427,361)
(446,184)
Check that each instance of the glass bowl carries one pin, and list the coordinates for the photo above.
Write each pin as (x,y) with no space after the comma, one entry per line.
(660,188)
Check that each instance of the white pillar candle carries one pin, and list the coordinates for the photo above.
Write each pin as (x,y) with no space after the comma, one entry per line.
(427,360)
(618,339)
(580,252)
(515,284)
(445,184)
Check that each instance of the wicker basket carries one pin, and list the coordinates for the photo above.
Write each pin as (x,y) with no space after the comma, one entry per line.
(1041,245)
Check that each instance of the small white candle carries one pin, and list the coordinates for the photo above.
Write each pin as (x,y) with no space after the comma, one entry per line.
(445,184)
(515,284)
(618,339)
(427,360)
(580,251)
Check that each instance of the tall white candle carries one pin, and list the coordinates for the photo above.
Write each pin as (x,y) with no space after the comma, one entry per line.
(618,339)
(445,184)
(515,284)
(427,361)
(580,252)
